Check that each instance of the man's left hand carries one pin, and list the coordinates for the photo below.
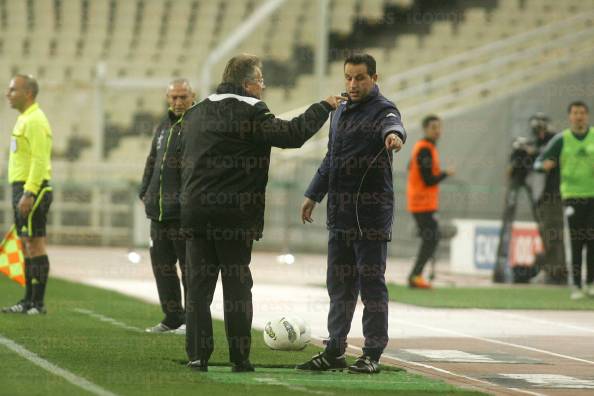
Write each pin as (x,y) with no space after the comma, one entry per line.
(393,142)
(26,205)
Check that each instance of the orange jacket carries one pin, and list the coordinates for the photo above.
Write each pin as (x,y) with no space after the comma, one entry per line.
(420,196)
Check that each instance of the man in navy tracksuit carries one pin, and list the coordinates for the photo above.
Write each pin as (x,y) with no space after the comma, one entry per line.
(356,174)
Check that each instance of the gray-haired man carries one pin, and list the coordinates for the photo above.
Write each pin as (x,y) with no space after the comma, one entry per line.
(227,143)
(160,193)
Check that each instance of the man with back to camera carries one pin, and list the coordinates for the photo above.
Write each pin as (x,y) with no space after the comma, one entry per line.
(159,191)
(227,143)
(29,173)
(422,191)
(573,152)
(356,175)
(548,204)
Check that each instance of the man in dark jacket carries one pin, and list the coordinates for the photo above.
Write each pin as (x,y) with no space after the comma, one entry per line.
(160,191)
(356,174)
(227,143)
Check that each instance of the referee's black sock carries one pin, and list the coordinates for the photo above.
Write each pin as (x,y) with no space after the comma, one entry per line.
(39,271)
(28,288)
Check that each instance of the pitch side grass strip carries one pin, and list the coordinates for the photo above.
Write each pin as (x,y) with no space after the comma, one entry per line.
(127,362)
(52,368)
(510,297)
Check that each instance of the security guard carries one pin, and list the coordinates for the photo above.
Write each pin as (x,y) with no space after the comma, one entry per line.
(160,191)
(424,176)
(29,172)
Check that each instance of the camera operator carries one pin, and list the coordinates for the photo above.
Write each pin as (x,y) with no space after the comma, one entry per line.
(549,208)
(545,202)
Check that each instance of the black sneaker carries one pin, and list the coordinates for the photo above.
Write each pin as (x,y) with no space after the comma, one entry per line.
(243,367)
(365,365)
(21,307)
(324,362)
(198,365)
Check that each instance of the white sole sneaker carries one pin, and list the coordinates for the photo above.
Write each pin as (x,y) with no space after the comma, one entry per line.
(159,328)
(181,330)
(577,295)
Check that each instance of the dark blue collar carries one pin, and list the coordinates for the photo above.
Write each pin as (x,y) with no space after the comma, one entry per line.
(372,95)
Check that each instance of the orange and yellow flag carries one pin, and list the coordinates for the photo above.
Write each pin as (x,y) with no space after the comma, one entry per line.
(12,259)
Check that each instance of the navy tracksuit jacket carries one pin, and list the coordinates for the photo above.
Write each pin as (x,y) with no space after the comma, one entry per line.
(356,175)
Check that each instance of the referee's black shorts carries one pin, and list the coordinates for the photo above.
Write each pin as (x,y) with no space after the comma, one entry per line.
(33,225)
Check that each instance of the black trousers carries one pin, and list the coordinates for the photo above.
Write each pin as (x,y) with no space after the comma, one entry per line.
(550,217)
(353,267)
(580,218)
(206,259)
(168,248)
(429,232)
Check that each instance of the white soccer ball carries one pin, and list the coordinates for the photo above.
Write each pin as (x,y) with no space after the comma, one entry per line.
(285,334)
(304,332)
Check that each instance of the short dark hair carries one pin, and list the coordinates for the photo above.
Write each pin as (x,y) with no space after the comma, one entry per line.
(241,68)
(429,119)
(577,103)
(359,59)
(30,83)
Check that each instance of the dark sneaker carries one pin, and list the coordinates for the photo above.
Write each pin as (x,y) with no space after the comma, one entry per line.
(36,309)
(324,362)
(198,365)
(20,307)
(365,365)
(243,367)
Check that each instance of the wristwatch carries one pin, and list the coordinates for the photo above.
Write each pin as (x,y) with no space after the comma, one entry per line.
(28,194)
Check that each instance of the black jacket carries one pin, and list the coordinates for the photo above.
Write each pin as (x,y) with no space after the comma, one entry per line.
(161,181)
(356,172)
(226,155)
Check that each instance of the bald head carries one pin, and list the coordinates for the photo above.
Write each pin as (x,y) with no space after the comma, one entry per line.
(180,96)
(22,91)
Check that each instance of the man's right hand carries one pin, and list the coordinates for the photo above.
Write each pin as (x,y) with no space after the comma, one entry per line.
(307,209)
(450,171)
(548,165)
(334,101)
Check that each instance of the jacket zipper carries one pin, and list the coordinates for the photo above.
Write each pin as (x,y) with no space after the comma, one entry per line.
(161,170)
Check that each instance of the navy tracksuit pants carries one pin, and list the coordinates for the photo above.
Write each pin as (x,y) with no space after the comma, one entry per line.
(357,266)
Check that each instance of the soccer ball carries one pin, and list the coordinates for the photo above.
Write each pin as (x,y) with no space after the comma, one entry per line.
(287,334)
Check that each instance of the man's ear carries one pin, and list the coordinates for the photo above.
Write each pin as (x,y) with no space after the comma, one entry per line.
(374,78)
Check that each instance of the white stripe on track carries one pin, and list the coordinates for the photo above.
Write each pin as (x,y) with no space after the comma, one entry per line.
(447,372)
(537,320)
(493,341)
(107,319)
(52,368)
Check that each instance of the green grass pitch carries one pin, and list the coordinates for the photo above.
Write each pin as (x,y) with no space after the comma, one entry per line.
(128,362)
(510,297)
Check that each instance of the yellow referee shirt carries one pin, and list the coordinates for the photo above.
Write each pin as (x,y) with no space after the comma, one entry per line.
(30,149)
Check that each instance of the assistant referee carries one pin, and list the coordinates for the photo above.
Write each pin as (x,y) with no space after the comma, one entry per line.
(29,173)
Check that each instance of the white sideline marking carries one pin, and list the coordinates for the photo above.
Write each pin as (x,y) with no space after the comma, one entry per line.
(492,341)
(274,381)
(552,380)
(537,320)
(107,319)
(453,356)
(52,368)
(447,372)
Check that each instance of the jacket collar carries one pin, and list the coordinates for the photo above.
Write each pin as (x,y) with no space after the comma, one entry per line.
(229,88)
(30,109)
(172,116)
(374,93)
